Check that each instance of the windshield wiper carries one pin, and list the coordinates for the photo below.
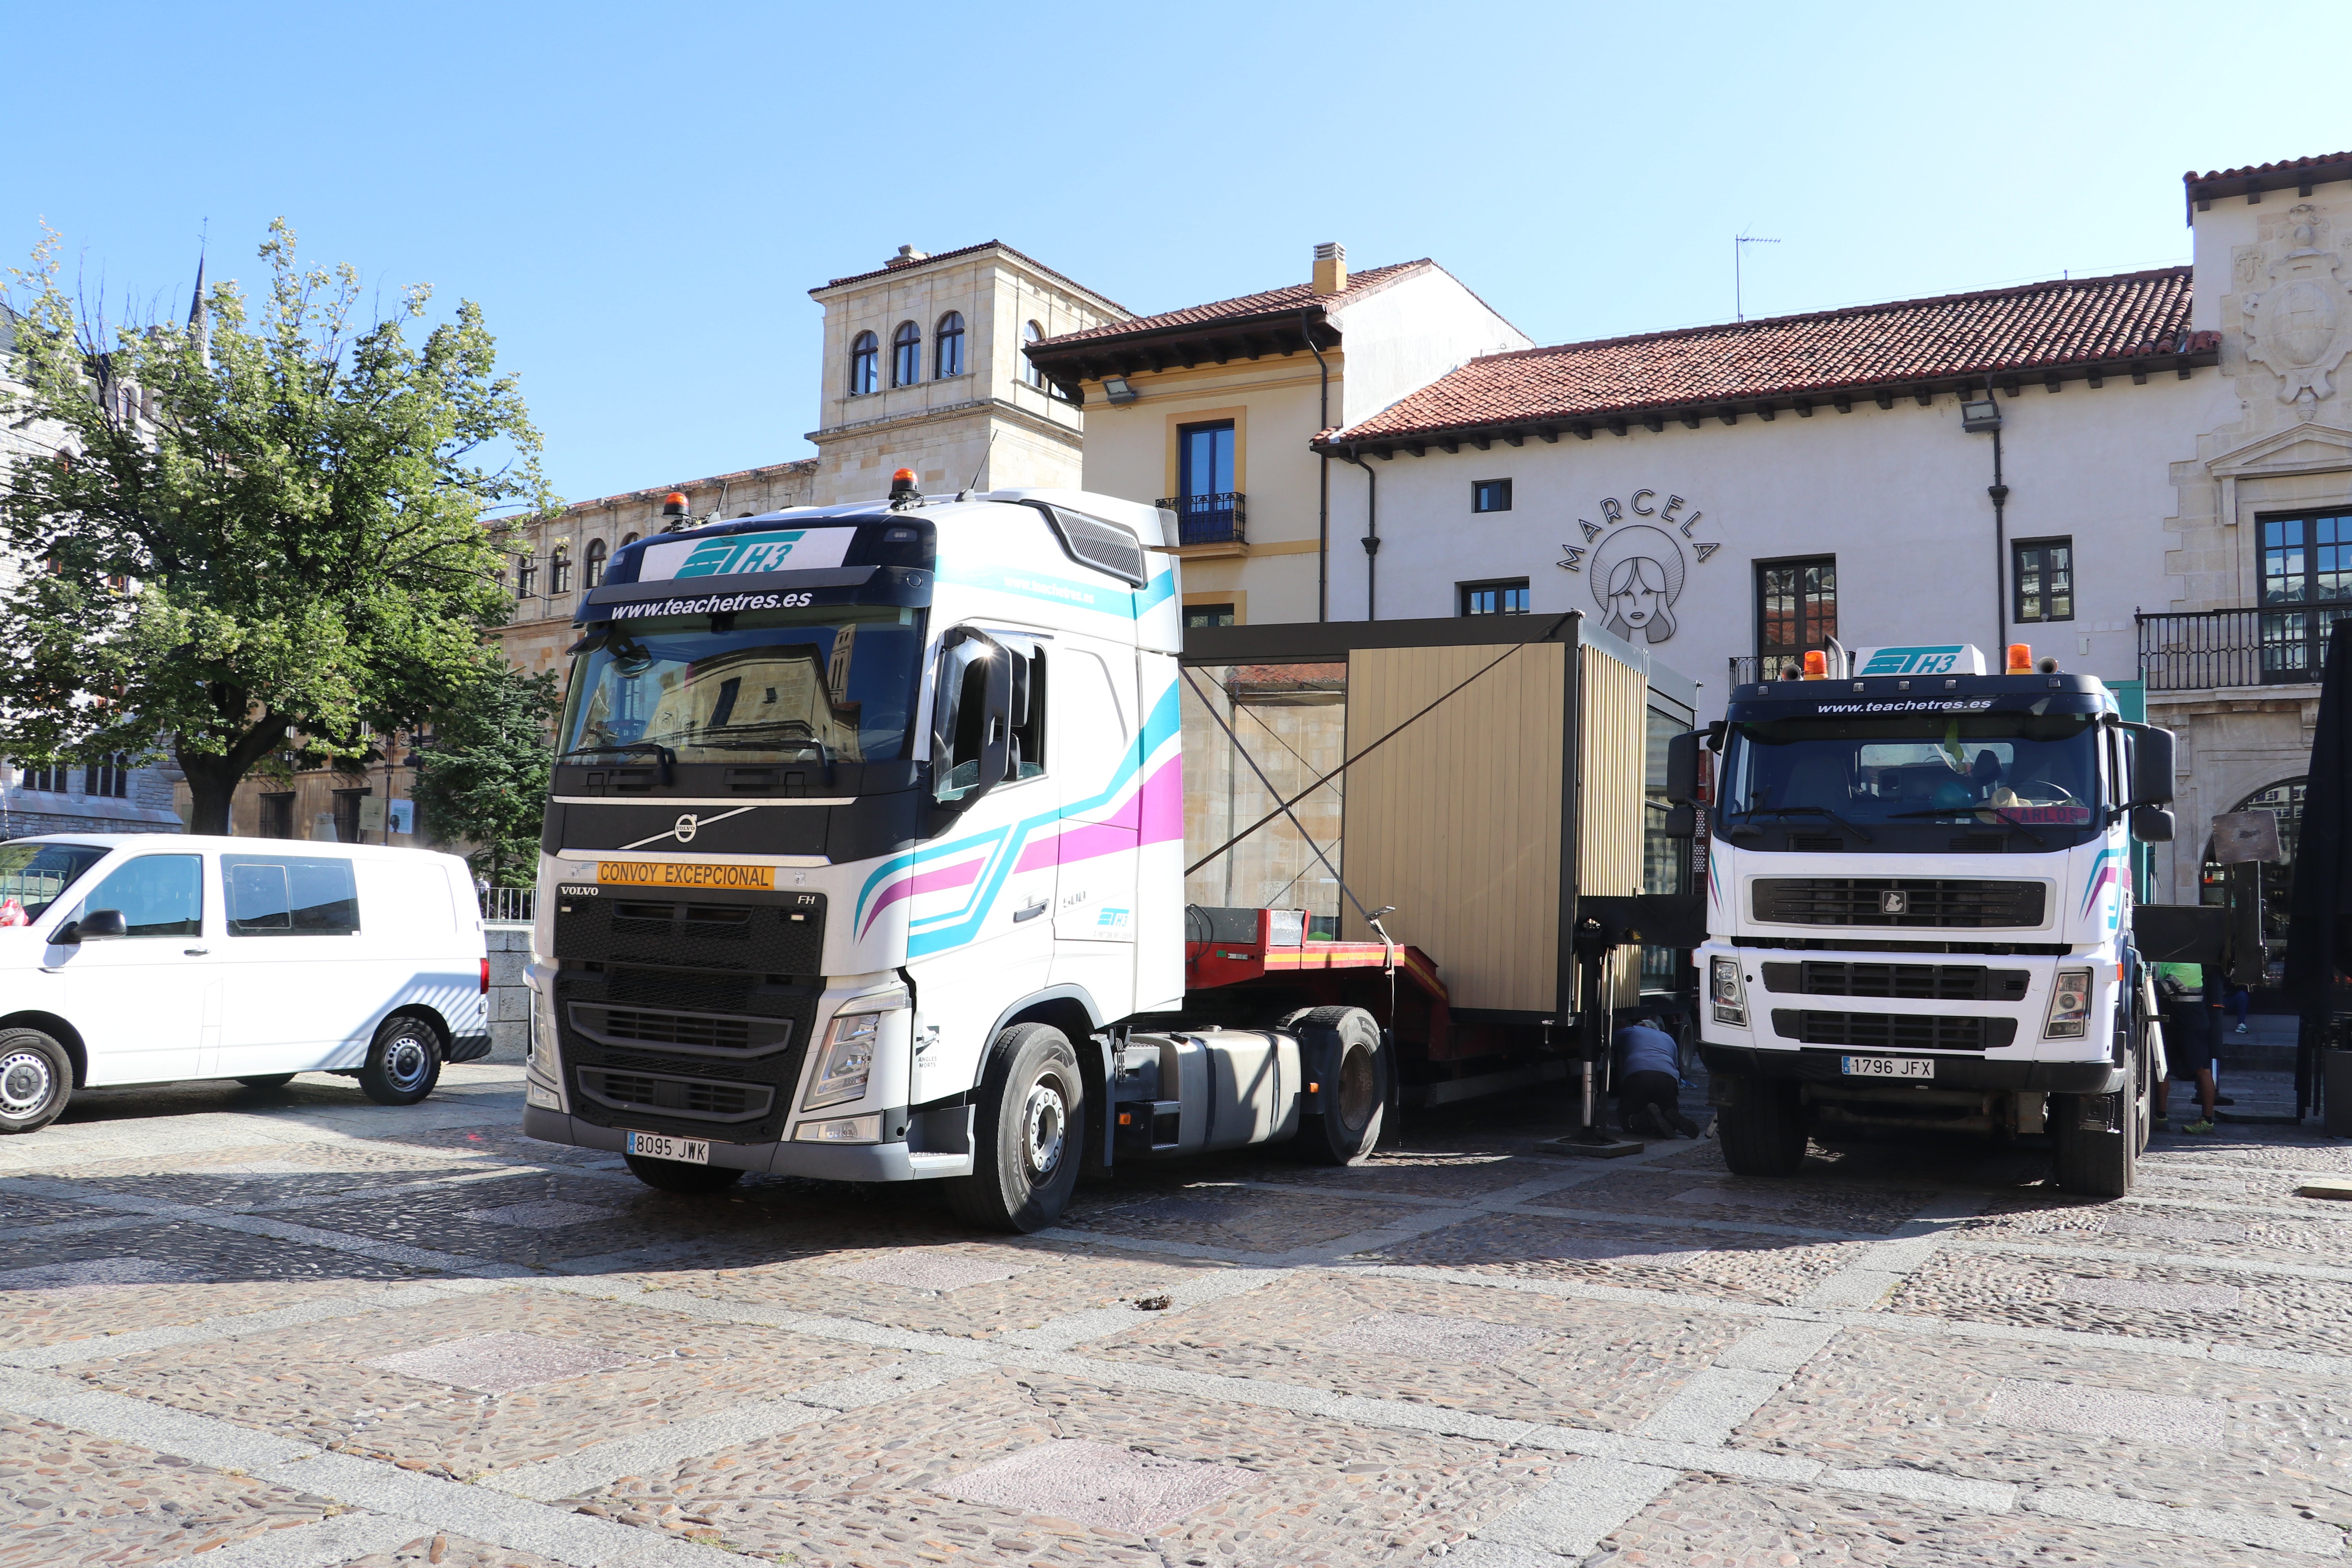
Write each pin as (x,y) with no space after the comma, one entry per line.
(1997,812)
(1808,811)
(668,758)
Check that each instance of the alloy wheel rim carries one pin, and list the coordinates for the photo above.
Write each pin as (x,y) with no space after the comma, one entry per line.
(25,1083)
(1045,1122)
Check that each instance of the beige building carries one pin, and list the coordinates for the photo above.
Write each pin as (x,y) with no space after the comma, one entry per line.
(1212,411)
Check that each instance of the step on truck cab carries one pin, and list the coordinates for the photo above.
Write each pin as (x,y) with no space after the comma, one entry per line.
(864,858)
(1919,895)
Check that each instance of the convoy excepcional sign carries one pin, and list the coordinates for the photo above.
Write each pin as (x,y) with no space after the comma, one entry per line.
(677,874)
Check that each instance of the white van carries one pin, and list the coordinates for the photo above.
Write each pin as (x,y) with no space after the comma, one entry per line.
(149,958)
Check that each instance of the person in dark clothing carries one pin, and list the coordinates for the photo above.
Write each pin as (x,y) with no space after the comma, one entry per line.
(2189,1026)
(1649,1081)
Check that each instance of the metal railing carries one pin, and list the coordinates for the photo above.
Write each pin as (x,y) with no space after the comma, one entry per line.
(2198,651)
(509,903)
(1213,519)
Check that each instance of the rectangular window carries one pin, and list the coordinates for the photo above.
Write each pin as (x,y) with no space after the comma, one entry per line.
(159,895)
(1507,597)
(1204,459)
(1490,495)
(1796,610)
(277,815)
(2041,574)
(289,895)
(526,577)
(347,813)
(1208,615)
(109,778)
(2306,589)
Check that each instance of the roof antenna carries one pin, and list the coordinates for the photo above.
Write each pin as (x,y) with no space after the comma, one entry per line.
(1738,303)
(965,493)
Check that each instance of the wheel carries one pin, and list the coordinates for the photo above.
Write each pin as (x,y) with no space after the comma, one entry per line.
(678,1176)
(405,1063)
(35,1080)
(1345,1045)
(2097,1138)
(267,1080)
(1763,1130)
(1030,1118)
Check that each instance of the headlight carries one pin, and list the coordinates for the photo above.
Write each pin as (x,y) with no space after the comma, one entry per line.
(1729,992)
(850,1041)
(2070,1005)
(546,1059)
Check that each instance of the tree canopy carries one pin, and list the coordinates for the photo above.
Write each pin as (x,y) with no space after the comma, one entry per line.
(483,781)
(263,528)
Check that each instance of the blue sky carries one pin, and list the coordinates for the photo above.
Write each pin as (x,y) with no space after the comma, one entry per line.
(641,196)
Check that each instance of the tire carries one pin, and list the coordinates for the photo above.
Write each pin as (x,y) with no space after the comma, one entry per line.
(1355,1090)
(2094,1161)
(35,1080)
(405,1063)
(1030,1127)
(678,1176)
(1763,1131)
(267,1080)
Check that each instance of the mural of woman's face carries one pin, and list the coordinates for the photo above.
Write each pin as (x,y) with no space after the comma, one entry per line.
(1634,597)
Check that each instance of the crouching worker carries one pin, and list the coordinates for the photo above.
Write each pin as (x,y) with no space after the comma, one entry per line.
(1649,1081)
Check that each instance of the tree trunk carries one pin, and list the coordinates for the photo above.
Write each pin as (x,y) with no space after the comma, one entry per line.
(211,785)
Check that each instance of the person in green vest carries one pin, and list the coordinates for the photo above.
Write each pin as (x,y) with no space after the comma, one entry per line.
(2189,1043)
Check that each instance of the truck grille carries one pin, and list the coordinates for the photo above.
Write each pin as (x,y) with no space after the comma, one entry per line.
(750,934)
(1892,1031)
(1920,982)
(698,1031)
(675,1097)
(1897,902)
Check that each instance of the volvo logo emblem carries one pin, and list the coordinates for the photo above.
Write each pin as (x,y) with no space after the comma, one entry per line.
(687,825)
(1891,902)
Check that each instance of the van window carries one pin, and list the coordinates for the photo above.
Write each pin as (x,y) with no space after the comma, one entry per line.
(159,895)
(35,876)
(289,895)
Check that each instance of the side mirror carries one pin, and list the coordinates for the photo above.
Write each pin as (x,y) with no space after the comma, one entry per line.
(2151,769)
(1682,768)
(96,923)
(971,734)
(1682,822)
(2152,824)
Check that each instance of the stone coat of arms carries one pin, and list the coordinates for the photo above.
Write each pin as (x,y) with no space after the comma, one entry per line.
(2300,325)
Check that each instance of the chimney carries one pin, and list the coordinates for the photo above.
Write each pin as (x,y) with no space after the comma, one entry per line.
(907,255)
(1331,269)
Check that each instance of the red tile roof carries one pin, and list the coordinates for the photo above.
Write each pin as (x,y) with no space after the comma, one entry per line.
(2255,178)
(1903,345)
(1286,300)
(967,250)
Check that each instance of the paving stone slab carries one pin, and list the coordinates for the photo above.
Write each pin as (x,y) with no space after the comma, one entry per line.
(84,1277)
(1846,1206)
(930,1269)
(540,1214)
(315,1382)
(2160,1295)
(1238,1220)
(1648,1257)
(1601,1364)
(68,1499)
(871,1488)
(1098,1484)
(2170,1431)
(500,1363)
(2269,1312)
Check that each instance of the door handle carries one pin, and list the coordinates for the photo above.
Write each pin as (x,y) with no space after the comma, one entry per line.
(1031,913)
(196,951)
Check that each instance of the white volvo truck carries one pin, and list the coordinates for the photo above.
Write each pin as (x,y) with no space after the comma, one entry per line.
(1919,908)
(865,860)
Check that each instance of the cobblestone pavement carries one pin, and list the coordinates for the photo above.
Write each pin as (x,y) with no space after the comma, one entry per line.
(290,1328)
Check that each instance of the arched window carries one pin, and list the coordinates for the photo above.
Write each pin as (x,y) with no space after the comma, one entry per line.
(596,562)
(864,364)
(628,540)
(559,571)
(2284,799)
(948,355)
(526,577)
(906,354)
(1032,333)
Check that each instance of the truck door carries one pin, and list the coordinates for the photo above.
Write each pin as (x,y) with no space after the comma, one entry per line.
(1094,898)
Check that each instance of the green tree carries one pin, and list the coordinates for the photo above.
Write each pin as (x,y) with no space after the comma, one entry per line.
(483,781)
(263,528)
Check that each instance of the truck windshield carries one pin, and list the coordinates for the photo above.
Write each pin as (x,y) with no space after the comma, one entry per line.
(836,682)
(34,876)
(2039,771)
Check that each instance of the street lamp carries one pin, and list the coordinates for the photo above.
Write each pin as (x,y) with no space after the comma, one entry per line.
(1119,389)
(1980,413)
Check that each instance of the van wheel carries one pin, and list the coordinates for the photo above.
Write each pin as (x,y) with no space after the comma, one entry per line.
(678,1176)
(35,1080)
(1763,1131)
(405,1063)
(1031,1124)
(1347,1046)
(267,1080)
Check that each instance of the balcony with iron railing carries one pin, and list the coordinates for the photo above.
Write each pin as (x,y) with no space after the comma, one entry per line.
(1215,518)
(2201,651)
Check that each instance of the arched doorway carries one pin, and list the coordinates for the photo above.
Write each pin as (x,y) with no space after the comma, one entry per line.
(2284,799)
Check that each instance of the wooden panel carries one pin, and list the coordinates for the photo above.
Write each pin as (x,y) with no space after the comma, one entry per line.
(1610,757)
(1456,821)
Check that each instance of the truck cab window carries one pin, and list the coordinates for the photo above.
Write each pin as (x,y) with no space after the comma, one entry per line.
(963,729)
